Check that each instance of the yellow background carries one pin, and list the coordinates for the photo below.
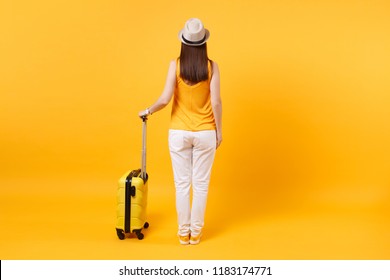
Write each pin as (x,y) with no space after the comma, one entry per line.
(303,171)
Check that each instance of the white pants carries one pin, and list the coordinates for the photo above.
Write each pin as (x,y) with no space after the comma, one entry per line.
(192,155)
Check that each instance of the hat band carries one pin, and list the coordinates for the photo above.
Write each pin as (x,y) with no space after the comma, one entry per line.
(193,42)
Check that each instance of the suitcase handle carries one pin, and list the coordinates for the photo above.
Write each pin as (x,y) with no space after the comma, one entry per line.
(143,162)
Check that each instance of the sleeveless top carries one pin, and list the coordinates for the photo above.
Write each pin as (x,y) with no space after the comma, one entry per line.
(191,107)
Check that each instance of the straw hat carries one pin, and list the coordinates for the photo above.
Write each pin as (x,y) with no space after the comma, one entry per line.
(193,33)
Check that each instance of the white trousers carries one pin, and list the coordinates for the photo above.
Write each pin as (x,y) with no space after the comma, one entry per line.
(192,156)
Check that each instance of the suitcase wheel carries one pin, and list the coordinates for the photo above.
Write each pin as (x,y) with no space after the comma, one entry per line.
(120,233)
(139,234)
(146,225)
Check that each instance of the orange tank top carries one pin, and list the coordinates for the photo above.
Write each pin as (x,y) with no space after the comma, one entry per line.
(191,108)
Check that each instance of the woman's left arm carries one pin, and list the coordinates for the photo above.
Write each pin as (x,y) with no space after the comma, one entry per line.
(167,93)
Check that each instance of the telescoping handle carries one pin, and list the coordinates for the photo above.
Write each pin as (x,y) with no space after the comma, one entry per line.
(143,162)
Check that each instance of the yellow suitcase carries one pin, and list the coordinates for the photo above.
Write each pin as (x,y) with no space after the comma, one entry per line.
(132,195)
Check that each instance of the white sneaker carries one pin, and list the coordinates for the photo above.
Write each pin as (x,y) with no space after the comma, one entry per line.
(195,239)
(184,240)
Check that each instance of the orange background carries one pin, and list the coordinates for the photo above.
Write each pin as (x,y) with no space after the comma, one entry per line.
(303,172)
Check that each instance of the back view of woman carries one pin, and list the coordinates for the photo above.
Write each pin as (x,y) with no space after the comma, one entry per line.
(196,126)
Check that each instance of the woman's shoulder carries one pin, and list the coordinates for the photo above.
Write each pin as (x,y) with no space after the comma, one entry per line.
(172,69)
(214,67)
(173,64)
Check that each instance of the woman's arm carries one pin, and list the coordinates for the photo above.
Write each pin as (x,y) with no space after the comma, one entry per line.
(167,93)
(216,101)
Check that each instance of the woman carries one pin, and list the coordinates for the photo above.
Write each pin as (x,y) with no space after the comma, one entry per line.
(196,126)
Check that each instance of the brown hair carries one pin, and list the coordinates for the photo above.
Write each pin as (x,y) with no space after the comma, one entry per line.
(194,63)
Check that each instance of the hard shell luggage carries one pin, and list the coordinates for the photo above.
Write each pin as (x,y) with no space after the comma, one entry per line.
(132,195)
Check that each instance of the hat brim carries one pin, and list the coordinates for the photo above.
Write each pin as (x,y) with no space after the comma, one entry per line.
(189,43)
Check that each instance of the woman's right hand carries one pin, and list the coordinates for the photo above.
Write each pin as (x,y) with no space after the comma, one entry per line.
(219,139)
